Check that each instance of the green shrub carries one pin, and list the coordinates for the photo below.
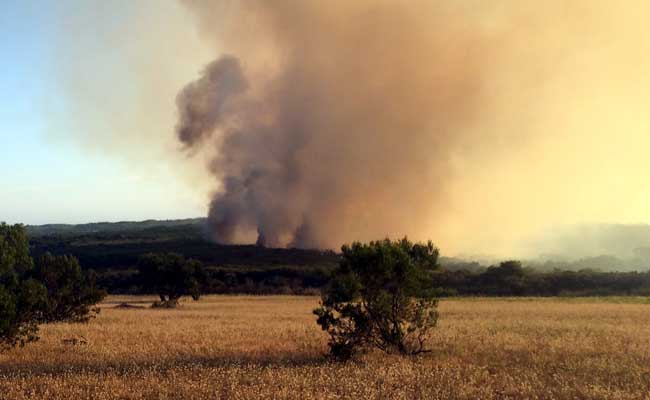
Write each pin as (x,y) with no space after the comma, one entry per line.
(71,293)
(55,290)
(171,276)
(380,296)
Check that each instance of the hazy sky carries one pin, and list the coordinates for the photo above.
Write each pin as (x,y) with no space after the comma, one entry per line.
(558,133)
(60,113)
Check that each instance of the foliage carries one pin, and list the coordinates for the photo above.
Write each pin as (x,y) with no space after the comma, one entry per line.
(113,251)
(512,279)
(29,296)
(507,277)
(380,296)
(21,299)
(171,276)
(121,250)
(71,293)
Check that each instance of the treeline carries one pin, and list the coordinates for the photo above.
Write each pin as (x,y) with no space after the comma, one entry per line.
(103,252)
(510,278)
(505,279)
(231,280)
(114,255)
(113,252)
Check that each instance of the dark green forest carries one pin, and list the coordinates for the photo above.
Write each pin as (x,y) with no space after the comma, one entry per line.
(112,250)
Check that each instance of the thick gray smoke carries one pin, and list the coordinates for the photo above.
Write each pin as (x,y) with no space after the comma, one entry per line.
(203,105)
(348,138)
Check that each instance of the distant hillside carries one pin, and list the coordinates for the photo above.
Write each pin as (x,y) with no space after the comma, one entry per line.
(112,227)
(113,250)
(625,241)
(118,245)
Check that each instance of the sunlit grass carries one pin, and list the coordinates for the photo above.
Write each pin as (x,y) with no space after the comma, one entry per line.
(270,347)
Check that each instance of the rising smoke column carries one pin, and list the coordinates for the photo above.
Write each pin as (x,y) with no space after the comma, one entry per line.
(491,122)
(348,138)
(473,123)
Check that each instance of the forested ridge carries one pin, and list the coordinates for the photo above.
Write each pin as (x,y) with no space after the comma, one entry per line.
(112,250)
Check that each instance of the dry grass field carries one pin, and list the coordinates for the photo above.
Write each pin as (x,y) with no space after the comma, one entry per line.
(235,347)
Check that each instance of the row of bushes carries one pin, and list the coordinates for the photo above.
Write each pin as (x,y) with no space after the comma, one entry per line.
(511,279)
(505,279)
(230,280)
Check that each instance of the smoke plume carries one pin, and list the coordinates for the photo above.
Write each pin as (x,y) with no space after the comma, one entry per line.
(475,122)
(351,136)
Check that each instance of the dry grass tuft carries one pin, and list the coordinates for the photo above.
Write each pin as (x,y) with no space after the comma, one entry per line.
(237,347)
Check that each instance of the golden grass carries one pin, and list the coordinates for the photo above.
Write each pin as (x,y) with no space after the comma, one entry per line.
(237,347)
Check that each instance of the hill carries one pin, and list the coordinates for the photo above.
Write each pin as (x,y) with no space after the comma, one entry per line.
(113,250)
(121,227)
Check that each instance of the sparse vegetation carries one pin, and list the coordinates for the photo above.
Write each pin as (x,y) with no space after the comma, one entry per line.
(381,296)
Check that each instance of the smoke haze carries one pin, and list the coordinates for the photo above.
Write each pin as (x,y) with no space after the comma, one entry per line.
(349,138)
(343,121)
(485,126)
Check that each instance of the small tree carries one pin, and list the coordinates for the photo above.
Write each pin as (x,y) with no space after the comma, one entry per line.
(506,279)
(30,296)
(171,276)
(380,295)
(71,293)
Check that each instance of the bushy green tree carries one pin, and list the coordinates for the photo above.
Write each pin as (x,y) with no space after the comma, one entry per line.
(380,295)
(171,276)
(508,278)
(27,296)
(71,293)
